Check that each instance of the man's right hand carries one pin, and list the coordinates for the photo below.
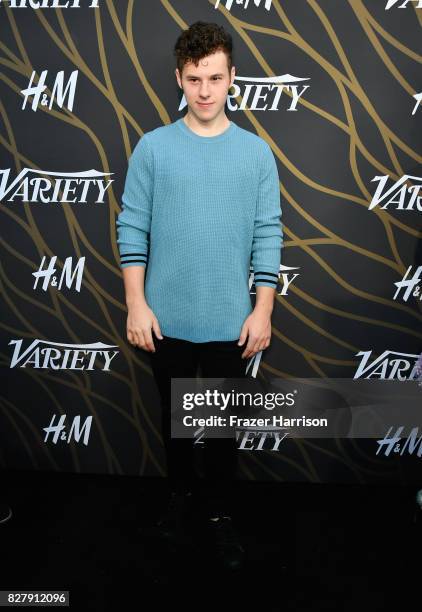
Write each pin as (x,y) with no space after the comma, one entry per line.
(140,322)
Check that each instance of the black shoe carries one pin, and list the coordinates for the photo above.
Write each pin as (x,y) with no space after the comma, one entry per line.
(5,513)
(228,548)
(171,522)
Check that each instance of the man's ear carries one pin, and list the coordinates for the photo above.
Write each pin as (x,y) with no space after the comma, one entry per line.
(233,74)
(178,78)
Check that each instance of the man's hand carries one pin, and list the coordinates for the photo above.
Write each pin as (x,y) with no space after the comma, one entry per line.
(140,321)
(258,327)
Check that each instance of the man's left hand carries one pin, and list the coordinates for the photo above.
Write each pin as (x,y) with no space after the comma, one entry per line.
(257,327)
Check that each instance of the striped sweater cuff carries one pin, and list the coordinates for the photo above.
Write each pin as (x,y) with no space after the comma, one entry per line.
(265,279)
(133,259)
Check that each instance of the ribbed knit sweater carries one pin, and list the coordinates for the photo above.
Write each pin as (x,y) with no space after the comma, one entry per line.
(198,212)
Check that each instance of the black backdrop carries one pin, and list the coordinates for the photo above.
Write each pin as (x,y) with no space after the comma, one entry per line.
(346,134)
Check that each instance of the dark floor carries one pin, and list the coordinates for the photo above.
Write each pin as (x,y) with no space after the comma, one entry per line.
(309,547)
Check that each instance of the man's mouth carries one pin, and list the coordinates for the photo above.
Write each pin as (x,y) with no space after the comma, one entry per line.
(205,104)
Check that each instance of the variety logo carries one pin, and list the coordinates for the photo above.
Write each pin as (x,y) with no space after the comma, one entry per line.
(40,188)
(256,92)
(253,364)
(40,4)
(58,93)
(410,286)
(245,3)
(286,279)
(41,354)
(392,442)
(75,433)
(67,275)
(250,440)
(389,365)
(400,195)
(259,440)
(418,98)
(404,4)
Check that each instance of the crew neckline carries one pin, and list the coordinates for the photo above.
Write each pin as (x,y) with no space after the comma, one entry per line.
(207,139)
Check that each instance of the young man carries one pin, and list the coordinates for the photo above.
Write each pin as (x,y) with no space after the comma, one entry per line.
(201,202)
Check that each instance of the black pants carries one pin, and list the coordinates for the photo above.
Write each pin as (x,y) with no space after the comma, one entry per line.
(176,358)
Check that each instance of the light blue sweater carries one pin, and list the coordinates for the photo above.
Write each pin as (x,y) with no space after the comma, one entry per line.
(198,211)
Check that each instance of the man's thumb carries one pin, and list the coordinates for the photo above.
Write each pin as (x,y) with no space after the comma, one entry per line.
(242,338)
(157,330)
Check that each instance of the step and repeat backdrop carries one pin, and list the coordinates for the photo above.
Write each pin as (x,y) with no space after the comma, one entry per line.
(335,88)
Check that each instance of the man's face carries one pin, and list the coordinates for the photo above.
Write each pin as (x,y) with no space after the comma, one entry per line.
(206,86)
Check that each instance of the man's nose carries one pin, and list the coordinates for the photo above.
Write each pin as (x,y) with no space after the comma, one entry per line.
(203,90)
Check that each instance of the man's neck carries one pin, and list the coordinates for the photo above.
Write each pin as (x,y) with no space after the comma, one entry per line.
(219,126)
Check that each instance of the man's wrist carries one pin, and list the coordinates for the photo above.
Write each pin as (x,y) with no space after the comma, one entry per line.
(264,301)
(264,308)
(135,302)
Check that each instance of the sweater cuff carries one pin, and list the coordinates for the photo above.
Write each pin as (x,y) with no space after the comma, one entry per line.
(265,279)
(133,259)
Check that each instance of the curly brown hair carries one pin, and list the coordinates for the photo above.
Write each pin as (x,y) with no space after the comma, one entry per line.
(202,39)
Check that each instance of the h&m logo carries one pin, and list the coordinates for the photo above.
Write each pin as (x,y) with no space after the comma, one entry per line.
(40,4)
(245,3)
(58,431)
(58,93)
(404,4)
